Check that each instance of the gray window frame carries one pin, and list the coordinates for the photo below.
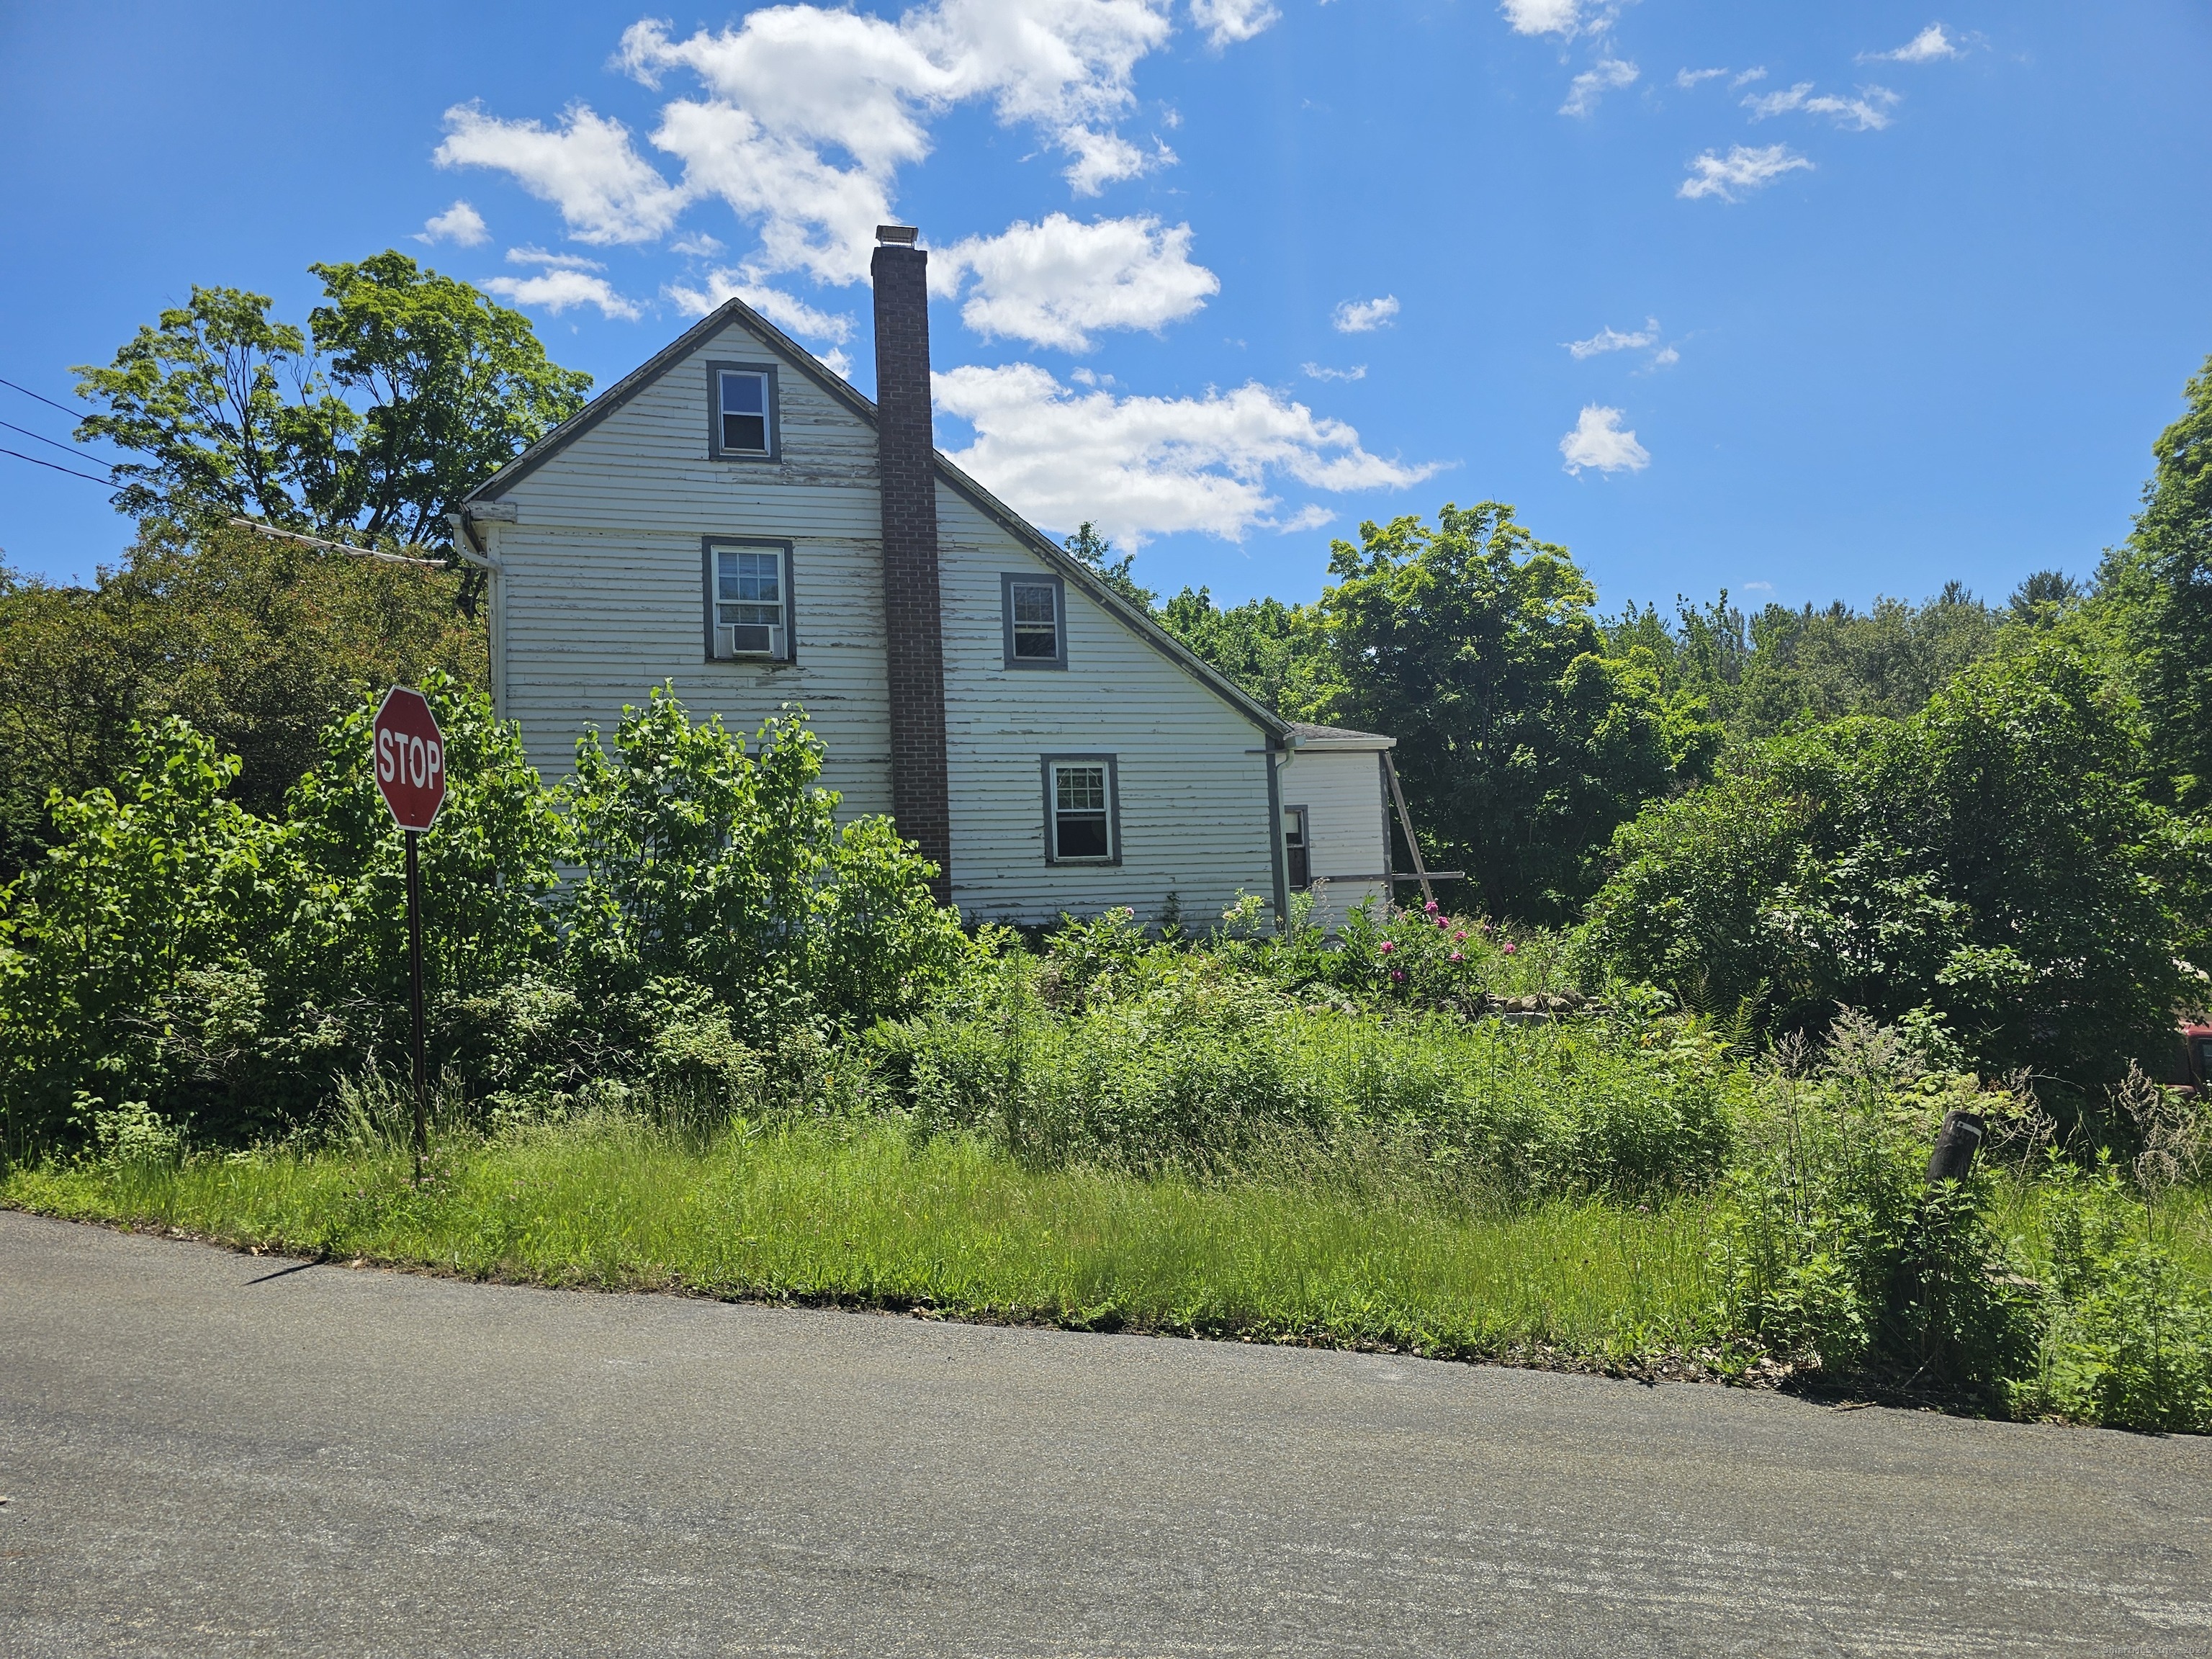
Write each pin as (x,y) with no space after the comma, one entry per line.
(1112,763)
(714,450)
(1305,846)
(706,546)
(1008,580)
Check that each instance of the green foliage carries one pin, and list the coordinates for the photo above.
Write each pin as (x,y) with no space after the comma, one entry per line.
(407,390)
(1521,744)
(1277,652)
(1151,1057)
(259,644)
(1992,857)
(2160,583)
(1096,551)
(1766,672)
(2129,1336)
(703,863)
(127,969)
(1831,1248)
(227,972)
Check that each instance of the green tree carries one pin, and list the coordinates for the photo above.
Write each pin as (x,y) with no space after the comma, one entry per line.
(1762,671)
(1277,652)
(1992,858)
(258,644)
(408,389)
(1521,742)
(1096,551)
(2161,584)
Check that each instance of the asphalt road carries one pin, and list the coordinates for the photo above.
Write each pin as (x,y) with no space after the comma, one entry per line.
(204,1454)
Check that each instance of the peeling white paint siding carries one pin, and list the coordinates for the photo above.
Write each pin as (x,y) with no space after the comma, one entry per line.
(1194,805)
(1342,793)
(602,594)
(604,591)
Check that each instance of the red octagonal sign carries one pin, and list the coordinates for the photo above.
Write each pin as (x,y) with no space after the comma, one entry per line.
(411,758)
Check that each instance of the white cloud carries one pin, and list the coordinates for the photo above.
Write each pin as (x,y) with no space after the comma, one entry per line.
(1565,18)
(538,256)
(787,311)
(558,290)
(1666,358)
(1586,88)
(1755,587)
(838,363)
(809,113)
(1867,113)
(1930,46)
(458,223)
(1743,168)
(1056,282)
(1612,339)
(1747,77)
(1318,372)
(1228,21)
(1363,316)
(588,169)
(1686,78)
(1598,441)
(696,246)
(1141,467)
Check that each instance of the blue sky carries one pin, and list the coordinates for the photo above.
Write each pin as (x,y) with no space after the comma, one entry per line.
(1808,302)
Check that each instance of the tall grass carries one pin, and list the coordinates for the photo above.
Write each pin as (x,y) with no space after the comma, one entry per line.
(1334,1252)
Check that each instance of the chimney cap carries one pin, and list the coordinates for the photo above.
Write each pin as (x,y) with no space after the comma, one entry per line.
(902,235)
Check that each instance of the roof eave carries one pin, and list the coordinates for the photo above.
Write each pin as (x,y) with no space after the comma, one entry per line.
(1073,569)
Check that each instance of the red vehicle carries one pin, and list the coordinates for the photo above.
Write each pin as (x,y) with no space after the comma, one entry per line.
(2193,1057)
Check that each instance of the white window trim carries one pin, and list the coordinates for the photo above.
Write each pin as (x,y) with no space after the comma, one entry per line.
(1009,581)
(775,400)
(708,545)
(1047,766)
(1305,837)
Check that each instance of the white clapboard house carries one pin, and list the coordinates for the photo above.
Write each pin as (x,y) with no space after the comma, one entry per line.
(737,519)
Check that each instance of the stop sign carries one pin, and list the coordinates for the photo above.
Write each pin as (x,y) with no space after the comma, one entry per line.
(411,758)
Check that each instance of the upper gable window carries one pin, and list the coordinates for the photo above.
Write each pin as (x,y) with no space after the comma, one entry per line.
(1033,620)
(743,415)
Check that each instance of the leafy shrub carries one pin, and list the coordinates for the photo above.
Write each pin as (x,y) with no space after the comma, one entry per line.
(227,972)
(1831,1249)
(1147,1056)
(2128,1338)
(1991,858)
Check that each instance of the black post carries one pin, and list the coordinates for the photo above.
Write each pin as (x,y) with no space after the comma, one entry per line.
(1956,1143)
(415,972)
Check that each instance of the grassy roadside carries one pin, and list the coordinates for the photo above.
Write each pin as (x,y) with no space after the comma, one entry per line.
(865,1216)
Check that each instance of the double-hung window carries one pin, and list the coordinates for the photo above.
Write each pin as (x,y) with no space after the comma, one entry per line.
(1082,811)
(749,611)
(742,423)
(1033,609)
(1297,854)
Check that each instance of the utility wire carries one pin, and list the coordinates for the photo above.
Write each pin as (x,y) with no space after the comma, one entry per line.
(52,466)
(71,449)
(74,414)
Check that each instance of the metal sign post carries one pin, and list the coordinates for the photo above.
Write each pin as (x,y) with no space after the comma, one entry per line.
(409,755)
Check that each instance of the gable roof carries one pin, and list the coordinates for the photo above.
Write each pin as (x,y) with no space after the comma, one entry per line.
(1062,563)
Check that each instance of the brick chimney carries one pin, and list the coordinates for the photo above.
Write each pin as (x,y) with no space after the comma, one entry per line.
(907,472)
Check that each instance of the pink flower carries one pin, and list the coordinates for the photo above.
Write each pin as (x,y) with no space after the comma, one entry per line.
(1431,907)
(1388,945)
(1460,935)
(1398,975)
(1457,956)
(1510,947)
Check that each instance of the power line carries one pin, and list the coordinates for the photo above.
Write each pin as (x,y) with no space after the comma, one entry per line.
(70,448)
(52,466)
(74,414)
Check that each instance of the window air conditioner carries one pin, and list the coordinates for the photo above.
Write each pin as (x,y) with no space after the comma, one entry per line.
(749,640)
